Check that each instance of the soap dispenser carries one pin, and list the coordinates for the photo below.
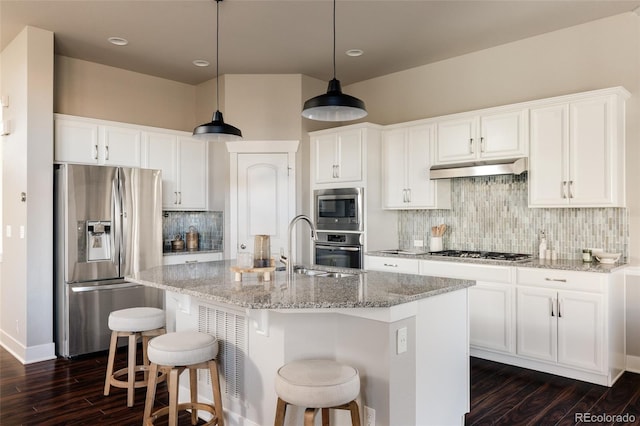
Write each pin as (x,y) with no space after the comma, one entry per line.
(542,248)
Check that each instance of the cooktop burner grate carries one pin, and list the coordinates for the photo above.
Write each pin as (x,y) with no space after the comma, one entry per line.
(493,255)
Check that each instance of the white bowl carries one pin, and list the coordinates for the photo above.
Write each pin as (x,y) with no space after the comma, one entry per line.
(607,257)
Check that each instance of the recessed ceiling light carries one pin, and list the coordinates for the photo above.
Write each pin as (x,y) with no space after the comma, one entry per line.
(354,52)
(201,63)
(118,41)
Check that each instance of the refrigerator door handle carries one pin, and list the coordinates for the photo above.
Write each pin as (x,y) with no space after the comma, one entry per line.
(117,219)
(87,288)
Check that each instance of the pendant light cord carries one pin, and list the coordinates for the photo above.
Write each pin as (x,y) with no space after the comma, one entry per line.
(217,54)
(334,39)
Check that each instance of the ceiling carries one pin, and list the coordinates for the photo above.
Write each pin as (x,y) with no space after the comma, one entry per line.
(290,36)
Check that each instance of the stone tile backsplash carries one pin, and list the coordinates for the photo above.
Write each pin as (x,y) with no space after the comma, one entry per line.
(209,226)
(491,214)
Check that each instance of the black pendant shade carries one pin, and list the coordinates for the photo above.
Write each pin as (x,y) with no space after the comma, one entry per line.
(334,105)
(217,130)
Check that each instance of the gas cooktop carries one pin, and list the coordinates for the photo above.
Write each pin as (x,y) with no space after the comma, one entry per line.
(492,255)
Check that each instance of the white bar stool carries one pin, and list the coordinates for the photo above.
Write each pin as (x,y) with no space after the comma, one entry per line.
(132,323)
(173,353)
(317,384)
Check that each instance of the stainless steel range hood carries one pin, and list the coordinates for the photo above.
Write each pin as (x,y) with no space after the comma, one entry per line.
(486,168)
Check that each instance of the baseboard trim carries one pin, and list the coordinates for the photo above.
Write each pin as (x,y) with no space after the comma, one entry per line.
(27,354)
(633,364)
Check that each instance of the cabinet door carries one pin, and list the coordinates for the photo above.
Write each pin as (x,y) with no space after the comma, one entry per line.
(537,325)
(349,156)
(394,167)
(580,330)
(163,154)
(192,178)
(549,156)
(422,190)
(76,141)
(326,158)
(491,316)
(456,140)
(504,135)
(121,146)
(590,175)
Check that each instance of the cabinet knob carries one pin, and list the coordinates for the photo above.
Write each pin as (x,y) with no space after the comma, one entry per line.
(243,246)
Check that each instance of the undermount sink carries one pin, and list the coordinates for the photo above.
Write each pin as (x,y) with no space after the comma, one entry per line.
(321,273)
(336,275)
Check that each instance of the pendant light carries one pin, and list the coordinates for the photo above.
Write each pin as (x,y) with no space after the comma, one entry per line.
(217,130)
(334,105)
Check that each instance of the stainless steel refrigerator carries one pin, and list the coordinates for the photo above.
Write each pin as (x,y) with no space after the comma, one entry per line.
(108,224)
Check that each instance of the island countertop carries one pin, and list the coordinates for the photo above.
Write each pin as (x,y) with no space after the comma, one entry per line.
(214,281)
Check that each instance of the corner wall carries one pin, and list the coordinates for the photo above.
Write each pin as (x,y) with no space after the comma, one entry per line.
(26,322)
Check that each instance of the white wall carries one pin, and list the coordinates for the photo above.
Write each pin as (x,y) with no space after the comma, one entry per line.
(26,319)
(99,91)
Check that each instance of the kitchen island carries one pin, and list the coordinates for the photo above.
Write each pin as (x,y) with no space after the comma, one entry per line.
(360,319)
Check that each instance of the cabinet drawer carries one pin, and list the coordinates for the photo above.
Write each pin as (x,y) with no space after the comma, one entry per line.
(393,264)
(467,271)
(562,280)
(176,259)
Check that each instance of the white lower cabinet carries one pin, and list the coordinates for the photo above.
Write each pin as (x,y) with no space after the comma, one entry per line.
(561,326)
(571,323)
(567,323)
(491,316)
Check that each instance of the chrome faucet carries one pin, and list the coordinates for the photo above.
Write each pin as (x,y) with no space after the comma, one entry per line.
(288,261)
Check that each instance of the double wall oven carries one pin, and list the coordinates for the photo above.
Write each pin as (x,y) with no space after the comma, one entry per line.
(339,221)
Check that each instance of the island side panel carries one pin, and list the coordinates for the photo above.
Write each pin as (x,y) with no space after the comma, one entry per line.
(442,369)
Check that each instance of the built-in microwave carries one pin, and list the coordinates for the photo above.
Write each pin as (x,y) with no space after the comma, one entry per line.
(339,209)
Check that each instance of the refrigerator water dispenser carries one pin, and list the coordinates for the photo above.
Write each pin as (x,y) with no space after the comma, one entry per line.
(98,240)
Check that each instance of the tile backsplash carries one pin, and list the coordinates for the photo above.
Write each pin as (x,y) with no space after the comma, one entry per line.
(209,226)
(491,214)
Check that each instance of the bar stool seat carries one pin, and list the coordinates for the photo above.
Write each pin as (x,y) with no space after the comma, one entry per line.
(132,323)
(172,353)
(317,384)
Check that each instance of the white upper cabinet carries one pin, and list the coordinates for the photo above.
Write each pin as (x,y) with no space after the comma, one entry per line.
(406,160)
(338,156)
(161,152)
(89,141)
(577,152)
(486,136)
(182,158)
(183,161)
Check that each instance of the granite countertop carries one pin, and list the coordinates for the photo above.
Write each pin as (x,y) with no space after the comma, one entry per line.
(560,264)
(214,281)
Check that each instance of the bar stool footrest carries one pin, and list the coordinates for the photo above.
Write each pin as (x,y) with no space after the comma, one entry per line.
(164,411)
(116,382)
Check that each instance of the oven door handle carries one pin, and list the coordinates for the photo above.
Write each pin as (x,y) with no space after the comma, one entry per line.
(342,248)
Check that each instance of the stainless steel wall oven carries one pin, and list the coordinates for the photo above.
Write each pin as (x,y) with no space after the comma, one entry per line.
(343,249)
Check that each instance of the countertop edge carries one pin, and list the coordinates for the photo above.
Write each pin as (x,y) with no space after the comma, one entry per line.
(560,264)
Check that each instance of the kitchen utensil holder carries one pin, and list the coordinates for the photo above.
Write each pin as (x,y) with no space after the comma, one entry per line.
(435,244)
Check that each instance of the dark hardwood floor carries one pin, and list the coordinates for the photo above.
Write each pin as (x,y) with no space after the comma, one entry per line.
(69,392)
